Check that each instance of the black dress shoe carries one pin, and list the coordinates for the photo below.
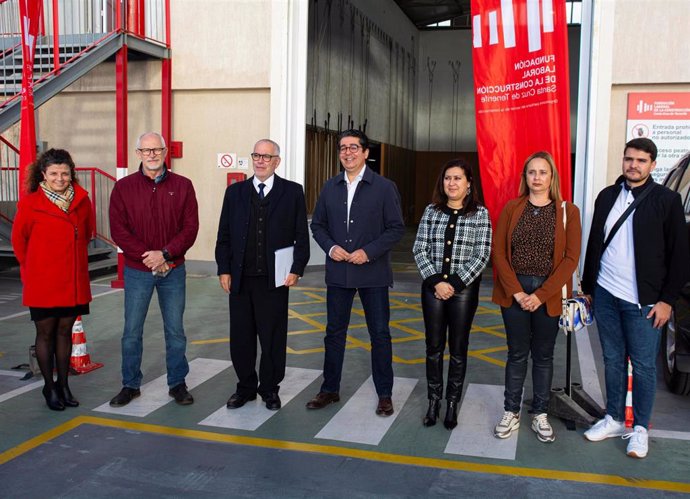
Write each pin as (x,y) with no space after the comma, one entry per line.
(384,407)
(66,397)
(322,399)
(237,400)
(52,399)
(272,401)
(432,412)
(451,420)
(125,396)
(181,395)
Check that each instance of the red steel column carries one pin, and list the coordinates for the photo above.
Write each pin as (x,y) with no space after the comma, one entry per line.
(121,138)
(166,105)
(166,89)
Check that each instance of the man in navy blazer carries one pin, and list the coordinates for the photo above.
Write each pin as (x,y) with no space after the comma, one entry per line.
(259,216)
(357,221)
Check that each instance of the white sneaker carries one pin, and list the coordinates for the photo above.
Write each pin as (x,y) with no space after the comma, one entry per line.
(507,425)
(542,428)
(637,447)
(605,428)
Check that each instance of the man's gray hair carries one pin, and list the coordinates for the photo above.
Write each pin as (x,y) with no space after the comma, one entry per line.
(276,147)
(145,134)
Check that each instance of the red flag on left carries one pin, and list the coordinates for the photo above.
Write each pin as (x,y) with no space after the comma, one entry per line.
(30,13)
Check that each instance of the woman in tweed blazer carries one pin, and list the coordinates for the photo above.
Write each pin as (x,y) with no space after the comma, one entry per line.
(452,248)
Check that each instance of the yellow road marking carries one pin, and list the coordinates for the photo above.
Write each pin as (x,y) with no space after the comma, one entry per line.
(331,450)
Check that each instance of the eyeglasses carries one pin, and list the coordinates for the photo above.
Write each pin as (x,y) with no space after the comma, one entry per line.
(266,157)
(155,151)
(352,148)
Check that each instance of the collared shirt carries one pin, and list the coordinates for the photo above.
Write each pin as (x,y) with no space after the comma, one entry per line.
(617,273)
(351,189)
(268,184)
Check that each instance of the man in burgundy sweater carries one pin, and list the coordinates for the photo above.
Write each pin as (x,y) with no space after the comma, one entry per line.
(154,220)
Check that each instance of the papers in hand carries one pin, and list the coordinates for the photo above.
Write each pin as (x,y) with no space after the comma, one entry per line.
(284,257)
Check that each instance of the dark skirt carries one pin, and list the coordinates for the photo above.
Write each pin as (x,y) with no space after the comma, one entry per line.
(39,313)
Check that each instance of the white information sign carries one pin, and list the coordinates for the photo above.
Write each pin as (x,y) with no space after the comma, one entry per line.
(663,117)
(243,163)
(227,160)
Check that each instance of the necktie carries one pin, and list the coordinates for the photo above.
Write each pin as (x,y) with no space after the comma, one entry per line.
(261,191)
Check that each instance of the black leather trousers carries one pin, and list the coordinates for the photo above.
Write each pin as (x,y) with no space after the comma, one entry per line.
(454,317)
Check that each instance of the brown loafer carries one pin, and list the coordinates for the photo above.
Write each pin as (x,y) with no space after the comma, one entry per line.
(322,399)
(385,407)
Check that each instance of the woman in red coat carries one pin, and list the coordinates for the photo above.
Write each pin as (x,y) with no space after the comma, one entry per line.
(51,231)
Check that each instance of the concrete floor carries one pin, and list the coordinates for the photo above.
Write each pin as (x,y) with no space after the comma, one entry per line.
(204,450)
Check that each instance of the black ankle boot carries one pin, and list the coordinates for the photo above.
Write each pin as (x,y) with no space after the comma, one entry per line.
(432,413)
(451,420)
(52,399)
(66,397)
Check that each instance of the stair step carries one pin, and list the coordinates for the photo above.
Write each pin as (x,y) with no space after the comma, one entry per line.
(103,264)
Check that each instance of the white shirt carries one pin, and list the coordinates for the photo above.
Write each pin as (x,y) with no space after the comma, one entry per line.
(268,184)
(617,271)
(351,189)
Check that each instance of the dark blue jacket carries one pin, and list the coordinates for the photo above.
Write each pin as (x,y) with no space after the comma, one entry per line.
(660,242)
(286,226)
(376,225)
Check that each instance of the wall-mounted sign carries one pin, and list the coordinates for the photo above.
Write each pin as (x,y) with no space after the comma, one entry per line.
(663,117)
(243,163)
(227,160)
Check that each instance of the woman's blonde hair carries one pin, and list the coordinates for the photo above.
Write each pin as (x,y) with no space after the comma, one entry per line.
(554,188)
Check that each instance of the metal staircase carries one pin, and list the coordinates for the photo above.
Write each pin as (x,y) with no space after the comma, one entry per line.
(74,37)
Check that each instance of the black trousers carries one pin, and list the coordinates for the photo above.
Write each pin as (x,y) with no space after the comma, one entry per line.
(454,317)
(258,310)
(529,333)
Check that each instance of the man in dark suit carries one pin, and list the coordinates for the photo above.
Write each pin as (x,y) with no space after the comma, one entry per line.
(357,221)
(263,214)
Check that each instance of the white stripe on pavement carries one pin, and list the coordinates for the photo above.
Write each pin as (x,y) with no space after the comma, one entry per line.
(481,409)
(357,422)
(154,394)
(254,413)
(19,391)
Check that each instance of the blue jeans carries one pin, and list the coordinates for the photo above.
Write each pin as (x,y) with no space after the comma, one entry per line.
(529,333)
(139,288)
(377,313)
(625,331)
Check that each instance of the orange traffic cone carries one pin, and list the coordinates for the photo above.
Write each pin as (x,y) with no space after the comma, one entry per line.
(628,398)
(80,363)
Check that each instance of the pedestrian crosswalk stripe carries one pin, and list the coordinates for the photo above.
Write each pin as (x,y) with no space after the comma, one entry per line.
(254,413)
(356,421)
(482,408)
(154,394)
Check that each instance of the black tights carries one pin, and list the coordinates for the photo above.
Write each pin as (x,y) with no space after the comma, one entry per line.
(54,348)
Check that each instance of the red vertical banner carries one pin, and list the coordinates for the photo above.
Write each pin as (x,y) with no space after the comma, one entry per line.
(522,92)
(30,17)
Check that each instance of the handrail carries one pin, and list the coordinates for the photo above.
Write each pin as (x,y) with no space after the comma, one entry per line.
(9,144)
(99,194)
(106,16)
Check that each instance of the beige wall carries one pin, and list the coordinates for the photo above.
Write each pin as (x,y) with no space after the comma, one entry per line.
(221,43)
(651,41)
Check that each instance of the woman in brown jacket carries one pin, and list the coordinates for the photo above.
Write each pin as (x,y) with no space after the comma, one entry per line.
(533,257)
